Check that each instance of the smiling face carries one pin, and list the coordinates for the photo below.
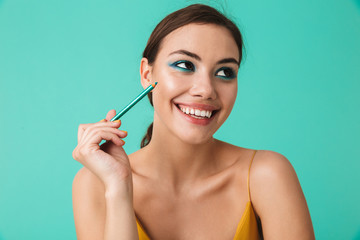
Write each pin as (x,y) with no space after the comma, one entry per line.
(196,70)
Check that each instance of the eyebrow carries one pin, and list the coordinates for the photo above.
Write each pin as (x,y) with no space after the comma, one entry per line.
(228,60)
(193,55)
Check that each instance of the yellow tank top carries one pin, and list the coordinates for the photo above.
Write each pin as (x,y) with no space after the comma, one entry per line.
(247,228)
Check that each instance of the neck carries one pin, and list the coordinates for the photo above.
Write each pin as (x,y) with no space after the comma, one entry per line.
(178,163)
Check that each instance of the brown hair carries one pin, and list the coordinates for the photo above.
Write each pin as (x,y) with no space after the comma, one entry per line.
(196,13)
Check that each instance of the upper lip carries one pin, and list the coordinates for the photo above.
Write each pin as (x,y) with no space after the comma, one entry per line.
(199,106)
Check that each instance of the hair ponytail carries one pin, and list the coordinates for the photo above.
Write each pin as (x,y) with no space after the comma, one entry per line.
(146,139)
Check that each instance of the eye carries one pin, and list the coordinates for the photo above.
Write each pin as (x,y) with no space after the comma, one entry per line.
(184,66)
(226,73)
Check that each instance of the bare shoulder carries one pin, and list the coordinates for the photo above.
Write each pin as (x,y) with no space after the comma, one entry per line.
(85,182)
(270,164)
(278,199)
(272,175)
(88,196)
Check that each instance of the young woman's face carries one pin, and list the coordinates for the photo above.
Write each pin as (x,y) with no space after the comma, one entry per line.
(196,70)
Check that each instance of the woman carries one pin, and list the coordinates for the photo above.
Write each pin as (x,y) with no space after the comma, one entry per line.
(183,183)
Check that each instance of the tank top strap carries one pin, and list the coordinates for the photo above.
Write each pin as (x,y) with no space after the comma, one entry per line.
(248,177)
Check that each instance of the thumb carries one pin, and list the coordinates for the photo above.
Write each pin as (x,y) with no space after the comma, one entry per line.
(110,114)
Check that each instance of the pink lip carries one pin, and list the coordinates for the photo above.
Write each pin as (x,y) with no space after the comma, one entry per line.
(202,122)
(199,106)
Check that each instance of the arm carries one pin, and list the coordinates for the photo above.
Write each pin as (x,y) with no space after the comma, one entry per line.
(101,214)
(120,217)
(278,198)
(102,191)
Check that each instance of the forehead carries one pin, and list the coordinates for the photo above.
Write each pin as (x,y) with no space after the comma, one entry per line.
(206,40)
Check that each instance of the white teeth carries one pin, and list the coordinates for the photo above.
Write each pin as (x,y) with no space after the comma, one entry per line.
(208,114)
(196,112)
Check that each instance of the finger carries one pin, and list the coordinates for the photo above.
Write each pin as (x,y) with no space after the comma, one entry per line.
(110,114)
(98,136)
(81,130)
(85,127)
(94,130)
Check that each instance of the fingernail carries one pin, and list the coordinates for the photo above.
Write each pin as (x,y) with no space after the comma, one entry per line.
(117,121)
(123,141)
(103,120)
(124,131)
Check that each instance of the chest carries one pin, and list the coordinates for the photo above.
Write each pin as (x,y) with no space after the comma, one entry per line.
(212,212)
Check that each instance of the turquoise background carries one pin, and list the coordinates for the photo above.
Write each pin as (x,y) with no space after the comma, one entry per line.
(63,63)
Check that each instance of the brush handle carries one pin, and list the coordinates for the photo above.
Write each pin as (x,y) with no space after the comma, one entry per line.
(133,102)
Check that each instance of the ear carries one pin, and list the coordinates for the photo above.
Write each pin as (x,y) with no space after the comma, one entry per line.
(145,73)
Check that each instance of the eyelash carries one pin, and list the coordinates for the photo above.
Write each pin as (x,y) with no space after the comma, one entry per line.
(185,69)
(191,68)
(231,73)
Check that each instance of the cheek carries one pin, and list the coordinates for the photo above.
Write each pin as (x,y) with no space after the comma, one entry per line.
(170,85)
(228,94)
(171,80)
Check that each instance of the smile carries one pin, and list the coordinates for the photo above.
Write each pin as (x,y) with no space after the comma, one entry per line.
(197,113)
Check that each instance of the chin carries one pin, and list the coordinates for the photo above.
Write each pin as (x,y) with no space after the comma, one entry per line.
(196,139)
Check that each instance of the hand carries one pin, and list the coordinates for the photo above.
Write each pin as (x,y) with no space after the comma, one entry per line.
(108,162)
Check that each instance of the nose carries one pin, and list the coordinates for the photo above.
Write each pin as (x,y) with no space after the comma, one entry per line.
(203,87)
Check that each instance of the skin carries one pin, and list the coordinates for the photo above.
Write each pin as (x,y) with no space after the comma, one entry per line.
(185,184)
